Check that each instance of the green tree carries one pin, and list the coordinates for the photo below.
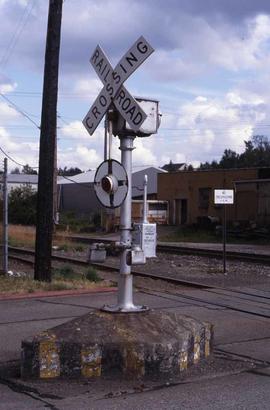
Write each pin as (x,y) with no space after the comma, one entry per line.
(15,171)
(69,172)
(256,154)
(28,170)
(230,159)
(22,202)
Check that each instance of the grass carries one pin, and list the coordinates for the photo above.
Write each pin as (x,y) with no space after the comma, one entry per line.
(20,235)
(202,235)
(92,276)
(24,236)
(186,234)
(63,278)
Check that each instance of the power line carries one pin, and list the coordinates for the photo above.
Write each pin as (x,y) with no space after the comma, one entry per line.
(17,33)
(13,160)
(19,110)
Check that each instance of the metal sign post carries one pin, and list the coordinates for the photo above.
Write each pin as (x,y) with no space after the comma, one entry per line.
(112,183)
(125,283)
(145,220)
(224,197)
(224,238)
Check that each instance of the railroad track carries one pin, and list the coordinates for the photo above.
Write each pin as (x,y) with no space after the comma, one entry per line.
(188,250)
(16,253)
(214,253)
(227,298)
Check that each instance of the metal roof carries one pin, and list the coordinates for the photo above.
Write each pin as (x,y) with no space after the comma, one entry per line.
(22,179)
(88,176)
(83,178)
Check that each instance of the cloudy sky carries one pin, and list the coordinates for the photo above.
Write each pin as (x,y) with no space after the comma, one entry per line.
(210,71)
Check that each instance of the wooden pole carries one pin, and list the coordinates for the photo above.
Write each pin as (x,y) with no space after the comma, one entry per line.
(47,145)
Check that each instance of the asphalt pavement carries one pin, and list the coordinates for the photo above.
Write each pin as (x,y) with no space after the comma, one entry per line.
(236,377)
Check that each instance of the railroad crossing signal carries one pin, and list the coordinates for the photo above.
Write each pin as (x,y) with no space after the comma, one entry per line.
(111,183)
(113,179)
(113,90)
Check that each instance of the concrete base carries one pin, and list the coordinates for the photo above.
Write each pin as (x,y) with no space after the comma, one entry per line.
(153,343)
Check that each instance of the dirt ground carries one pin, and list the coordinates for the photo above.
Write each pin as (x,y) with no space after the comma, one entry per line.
(187,267)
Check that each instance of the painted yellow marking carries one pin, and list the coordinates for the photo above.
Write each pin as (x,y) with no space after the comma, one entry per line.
(133,362)
(196,348)
(49,361)
(183,360)
(91,361)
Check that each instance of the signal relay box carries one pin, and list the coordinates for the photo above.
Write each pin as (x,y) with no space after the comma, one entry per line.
(145,236)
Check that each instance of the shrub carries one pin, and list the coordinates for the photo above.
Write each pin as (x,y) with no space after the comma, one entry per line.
(65,272)
(92,276)
(22,203)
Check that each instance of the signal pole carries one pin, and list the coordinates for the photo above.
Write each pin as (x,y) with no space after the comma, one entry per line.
(47,147)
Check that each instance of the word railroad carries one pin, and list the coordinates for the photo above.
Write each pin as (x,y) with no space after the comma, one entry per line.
(113,90)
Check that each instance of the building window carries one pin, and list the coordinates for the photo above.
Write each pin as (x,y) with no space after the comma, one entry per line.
(204,197)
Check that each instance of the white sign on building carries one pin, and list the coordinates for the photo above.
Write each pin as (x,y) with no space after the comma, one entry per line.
(224,196)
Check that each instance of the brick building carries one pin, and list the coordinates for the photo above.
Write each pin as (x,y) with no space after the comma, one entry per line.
(191,194)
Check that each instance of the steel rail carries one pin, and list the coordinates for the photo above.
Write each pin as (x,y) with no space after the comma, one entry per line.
(108,267)
(215,253)
(188,250)
(104,266)
(167,279)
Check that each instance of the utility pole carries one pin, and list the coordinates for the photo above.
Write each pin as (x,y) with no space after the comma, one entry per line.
(44,230)
(5,220)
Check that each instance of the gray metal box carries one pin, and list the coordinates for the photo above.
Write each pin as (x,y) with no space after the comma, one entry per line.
(149,126)
(145,236)
(96,254)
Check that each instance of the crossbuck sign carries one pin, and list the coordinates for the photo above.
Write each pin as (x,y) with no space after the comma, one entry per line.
(113,90)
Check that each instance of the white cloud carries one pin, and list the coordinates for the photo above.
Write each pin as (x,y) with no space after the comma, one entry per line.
(210,70)
(8,113)
(19,153)
(142,155)
(76,130)
(81,157)
(7,88)
(88,88)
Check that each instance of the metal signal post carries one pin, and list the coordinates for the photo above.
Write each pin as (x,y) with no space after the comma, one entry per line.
(125,117)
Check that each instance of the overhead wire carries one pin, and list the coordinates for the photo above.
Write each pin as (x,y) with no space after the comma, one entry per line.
(13,160)
(19,110)
(17,33)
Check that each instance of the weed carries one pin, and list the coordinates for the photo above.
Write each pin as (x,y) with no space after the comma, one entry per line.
(92,276)
(79,248)
(64,247)
(65,272)
(60,286)
(20,235)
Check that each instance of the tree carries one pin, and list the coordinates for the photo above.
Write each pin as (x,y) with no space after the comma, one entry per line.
(22,202)
(15,171)
(230,159)
(28,170)
(256,154)
(69,172)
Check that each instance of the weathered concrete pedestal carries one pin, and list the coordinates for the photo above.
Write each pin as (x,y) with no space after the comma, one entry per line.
(153,343)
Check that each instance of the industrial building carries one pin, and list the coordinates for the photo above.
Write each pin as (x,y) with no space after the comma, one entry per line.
(190,195)
(76,193)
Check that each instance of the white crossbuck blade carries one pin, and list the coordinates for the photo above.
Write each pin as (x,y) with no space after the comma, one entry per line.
(113,90)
